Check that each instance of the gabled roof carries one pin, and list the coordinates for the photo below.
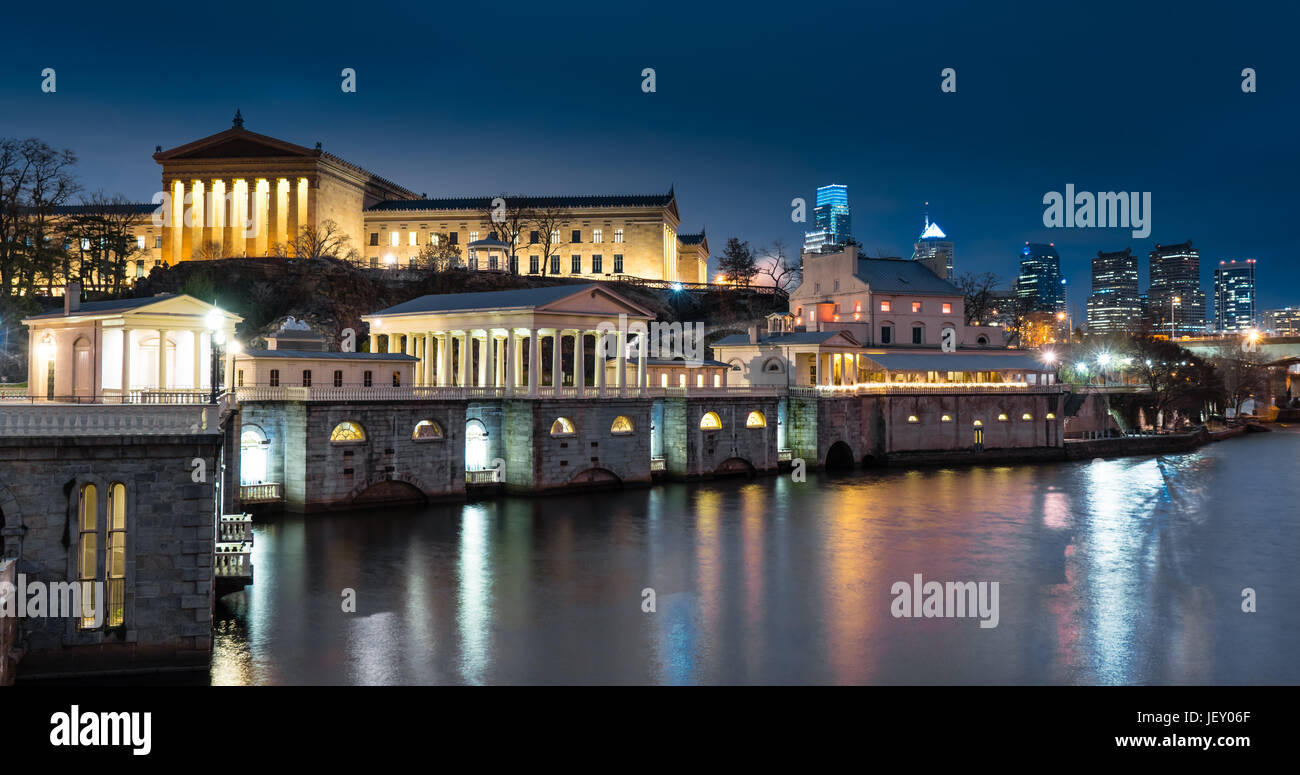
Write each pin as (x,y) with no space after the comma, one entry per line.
(896,275)
(235,142)
(482,203)
(793,337)
(528,298)
(957,361)
(110,307)
(333,356)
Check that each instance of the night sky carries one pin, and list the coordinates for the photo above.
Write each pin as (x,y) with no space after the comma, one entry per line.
(755,104)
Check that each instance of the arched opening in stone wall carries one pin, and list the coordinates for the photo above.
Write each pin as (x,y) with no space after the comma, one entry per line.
(595,478)
(476,445)
(253,447)
(735,466)
(389,492)
(839,457)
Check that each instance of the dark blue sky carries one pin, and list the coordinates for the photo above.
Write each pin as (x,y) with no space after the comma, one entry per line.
(756,104)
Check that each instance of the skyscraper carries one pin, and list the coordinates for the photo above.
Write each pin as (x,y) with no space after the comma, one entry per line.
(831,217)
(1175,298)
(1282,322)
(934,249)
(1234,295)
(1114,305)
(1039,283)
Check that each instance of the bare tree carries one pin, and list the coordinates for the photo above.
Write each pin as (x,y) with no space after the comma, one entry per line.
(325,240)
(101,233)
(507,223)
(548,223)
(438,254)
(978,292)
(784,271)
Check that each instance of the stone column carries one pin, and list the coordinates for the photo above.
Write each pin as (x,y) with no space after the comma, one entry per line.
(579,364)
(598,363)
(187,218)
(534,361)
(374,342)
(642,370)
(198,361)
(620,378)
(430,352)
(444,359)
(162,359)
(557,362)
(464,359)
(291,217)
(487,363)
(510,361)
(273,214)
(126,361)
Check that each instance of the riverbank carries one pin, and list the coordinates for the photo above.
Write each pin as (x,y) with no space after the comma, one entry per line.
(1120,446)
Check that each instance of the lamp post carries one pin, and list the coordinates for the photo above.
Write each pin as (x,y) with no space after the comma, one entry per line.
(1172,302)
(217,336)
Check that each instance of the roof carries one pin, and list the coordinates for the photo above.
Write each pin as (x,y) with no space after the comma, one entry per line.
(794,337)
(691,239)
(333,356)
(957,361)
(455,302)
(896,275)
(143,208)
(671,362)
(105,307)
(482,203)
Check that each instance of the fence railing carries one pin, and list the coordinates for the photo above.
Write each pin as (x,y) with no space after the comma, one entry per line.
(56,419)
(483,476)
(268,492)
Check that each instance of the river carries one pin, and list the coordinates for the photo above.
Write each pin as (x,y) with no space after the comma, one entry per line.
(1115,571)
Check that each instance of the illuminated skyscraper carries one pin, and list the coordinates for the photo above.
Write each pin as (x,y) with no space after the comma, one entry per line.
(934,249)
(831,216)
(1040,282)
(1114,306)
(1234,295)
(1176,300)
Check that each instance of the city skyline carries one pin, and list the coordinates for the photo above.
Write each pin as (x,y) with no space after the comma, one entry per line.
(592,128)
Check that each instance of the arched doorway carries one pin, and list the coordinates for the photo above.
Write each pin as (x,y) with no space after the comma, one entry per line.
(839,457)
(734,466)
(252,455)
(476,446)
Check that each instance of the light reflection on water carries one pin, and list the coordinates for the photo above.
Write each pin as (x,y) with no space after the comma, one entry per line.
(1111,571)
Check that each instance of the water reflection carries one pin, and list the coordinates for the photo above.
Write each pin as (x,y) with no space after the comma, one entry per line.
(1110,571)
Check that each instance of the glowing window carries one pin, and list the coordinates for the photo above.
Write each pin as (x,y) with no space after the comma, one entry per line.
(912,418)
(916,306)
(978,423)
(947,308)
(115,555)
(621,426)
(347,431)
(88,545)
(1051,415)
(755,420)
(946,418)
(717,380)
(710,422)
(885,306)
(663,379)
(562,426)
(1026,416)
(394,238)
(427,430)
(1002,418)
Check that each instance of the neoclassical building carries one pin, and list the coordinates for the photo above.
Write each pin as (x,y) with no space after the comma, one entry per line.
(239,193)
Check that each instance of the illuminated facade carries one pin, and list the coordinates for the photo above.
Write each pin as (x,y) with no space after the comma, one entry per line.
(831,216)
(239,193)
(1175,299)
(1282,322)
(1114,306)
(934,250)
(1040,282)
(1234,295)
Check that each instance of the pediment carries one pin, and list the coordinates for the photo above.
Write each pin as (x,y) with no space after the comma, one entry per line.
(596,301)
(235,143)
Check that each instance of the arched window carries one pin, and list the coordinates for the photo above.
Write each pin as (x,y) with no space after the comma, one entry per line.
(1051,415)
(981,339)
(562,426)
(621,426)
(1002,417)
(347,431)
(476,445)
(115,555)
(978,423)
(912,418)
(1026,416)
(773,366)
(427,430)
(252,455)
(735,364)
(946,418)
(710,422)
(755,420)
(87,551)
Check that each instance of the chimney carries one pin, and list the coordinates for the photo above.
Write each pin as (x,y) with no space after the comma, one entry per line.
(71,298)
(753,334)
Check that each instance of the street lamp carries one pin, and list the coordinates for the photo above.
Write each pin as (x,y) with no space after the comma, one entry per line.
(216,321)
(1172,302)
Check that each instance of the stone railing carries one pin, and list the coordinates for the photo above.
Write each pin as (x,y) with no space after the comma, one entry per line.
(927,388)
(658,464)
(53,419)
(386,393)
(235,528)
(483,476)
(269,492)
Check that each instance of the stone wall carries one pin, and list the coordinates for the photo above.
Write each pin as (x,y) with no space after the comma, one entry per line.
(170,530)
(734,448)
(593,455)
(8,626)
(1002,418)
